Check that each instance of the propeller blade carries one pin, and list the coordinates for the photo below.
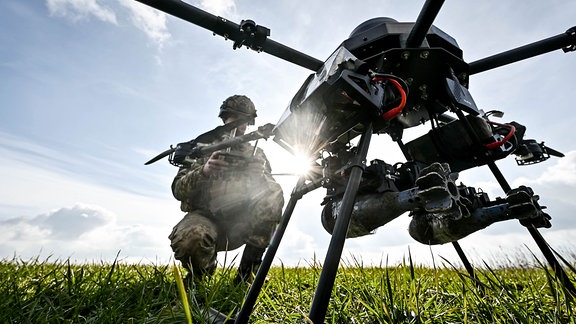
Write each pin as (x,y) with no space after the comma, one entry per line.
(256,40)
(161,156)
(553,151)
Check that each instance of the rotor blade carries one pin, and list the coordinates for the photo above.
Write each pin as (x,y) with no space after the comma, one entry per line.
(161,156)
(566,41)
(553,152)
(230,30)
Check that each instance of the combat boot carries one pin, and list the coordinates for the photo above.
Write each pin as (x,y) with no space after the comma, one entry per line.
(249,264)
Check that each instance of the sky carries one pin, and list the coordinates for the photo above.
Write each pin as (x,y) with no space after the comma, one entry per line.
(92,89)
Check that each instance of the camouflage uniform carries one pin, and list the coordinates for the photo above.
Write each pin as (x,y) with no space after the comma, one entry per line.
(225,211)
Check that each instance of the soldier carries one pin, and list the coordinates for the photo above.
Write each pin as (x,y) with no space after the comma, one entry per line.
(230,199)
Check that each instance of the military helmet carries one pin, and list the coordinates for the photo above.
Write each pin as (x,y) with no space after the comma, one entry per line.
(240,106)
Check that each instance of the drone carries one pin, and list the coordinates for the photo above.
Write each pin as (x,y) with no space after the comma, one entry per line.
(389,76)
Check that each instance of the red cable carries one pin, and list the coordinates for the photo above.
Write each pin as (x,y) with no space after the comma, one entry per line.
(506,138)
(398,109)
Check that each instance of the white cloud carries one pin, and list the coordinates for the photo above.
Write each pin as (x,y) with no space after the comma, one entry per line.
(62,226)
(106,220)
(81,9)
(297,246)
(563,172)
(82,233)
(558,181)
(218,7)
(151,21)
(66,223)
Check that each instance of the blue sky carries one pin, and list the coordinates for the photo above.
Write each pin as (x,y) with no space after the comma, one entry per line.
(92,89)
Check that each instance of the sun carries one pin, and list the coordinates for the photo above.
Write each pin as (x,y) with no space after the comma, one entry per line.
(301,164)
(284,163)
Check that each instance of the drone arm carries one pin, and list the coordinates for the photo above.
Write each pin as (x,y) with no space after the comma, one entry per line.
(247,34)
(424,22)
(566,41)
(291,55)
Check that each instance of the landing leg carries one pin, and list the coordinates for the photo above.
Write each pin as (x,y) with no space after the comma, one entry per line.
(299,190)
(332,260)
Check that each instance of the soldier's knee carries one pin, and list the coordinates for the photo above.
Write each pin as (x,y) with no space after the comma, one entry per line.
(192,238)
(194,245)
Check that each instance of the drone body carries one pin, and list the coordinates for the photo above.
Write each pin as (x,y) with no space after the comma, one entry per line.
(385,78)
(394,87)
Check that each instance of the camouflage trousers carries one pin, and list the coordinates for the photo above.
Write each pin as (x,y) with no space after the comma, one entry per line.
(202,233)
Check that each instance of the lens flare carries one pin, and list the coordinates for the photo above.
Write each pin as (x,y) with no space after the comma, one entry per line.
(301,164)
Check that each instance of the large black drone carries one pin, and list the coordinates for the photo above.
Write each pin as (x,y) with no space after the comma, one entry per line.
(386,77)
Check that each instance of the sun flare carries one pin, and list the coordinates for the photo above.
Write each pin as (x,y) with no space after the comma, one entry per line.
(300,164)
(290,164)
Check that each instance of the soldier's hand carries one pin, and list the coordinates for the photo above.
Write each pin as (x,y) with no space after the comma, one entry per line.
(255,165)
(214,164)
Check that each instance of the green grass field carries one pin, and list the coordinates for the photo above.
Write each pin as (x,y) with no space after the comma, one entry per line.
(37,291)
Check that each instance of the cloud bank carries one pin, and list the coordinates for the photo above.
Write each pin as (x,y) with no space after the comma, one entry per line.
(81,9)
(148,20)
(81,233)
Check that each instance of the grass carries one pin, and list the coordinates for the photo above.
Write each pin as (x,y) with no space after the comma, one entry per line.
(42,291)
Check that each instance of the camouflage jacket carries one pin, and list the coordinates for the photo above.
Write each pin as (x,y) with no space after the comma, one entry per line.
(232,188)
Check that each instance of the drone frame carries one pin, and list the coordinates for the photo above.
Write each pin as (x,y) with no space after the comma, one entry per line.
(255,37)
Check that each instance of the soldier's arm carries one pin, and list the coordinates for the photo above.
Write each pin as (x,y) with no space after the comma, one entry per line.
(188,180)
(266,164)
